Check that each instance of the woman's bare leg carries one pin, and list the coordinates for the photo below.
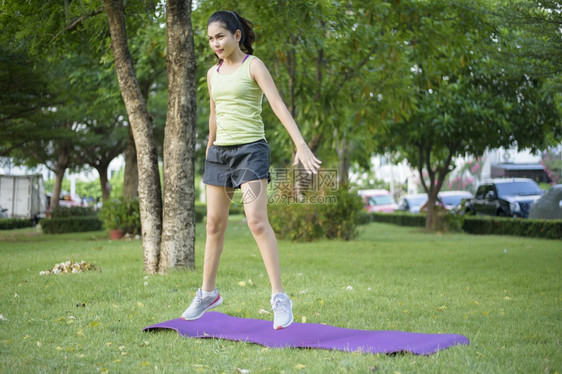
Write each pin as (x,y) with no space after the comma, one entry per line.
(255,206)
(218,204)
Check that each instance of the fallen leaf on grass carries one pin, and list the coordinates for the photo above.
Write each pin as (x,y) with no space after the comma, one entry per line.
(263,311)
(2,318)
(243,371)
(299,366)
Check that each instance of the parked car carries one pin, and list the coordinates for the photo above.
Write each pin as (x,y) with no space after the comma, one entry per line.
(70,200)
(411,202)
(377,201)
(448,200)
(510,197)
(452,200)
(549,205)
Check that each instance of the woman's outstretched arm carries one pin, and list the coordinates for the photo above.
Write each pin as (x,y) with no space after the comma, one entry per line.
(263,78)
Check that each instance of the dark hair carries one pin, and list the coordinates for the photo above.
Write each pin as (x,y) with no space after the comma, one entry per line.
(232,22)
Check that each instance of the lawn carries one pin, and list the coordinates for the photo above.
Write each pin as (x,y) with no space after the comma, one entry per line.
(503,293)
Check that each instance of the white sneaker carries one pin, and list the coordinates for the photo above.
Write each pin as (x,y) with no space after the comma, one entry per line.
(201,304)
(282,311)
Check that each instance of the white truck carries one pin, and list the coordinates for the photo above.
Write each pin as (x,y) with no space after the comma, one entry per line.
(23,196)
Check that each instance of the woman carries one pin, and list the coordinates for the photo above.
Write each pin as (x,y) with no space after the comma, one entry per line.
(237,156)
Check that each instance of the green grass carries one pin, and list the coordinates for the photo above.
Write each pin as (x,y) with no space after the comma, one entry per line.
(503,293)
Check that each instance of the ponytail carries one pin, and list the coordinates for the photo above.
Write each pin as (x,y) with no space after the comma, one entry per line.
(232,22)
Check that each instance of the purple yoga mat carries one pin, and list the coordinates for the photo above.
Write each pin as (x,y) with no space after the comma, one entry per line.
(309,335)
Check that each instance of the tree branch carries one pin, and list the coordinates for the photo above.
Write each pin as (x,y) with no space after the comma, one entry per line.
(76,22)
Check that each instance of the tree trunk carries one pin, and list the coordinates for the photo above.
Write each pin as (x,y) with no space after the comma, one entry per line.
(431,216)
(104,181)
(150,195)
(131,178)
(178,236)
(434,186)
(61,166)
(343,162)
(55,197)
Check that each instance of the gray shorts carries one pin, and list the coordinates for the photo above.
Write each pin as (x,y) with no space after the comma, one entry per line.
(233,165)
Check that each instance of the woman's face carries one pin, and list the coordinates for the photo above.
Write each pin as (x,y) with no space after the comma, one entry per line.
(222,41)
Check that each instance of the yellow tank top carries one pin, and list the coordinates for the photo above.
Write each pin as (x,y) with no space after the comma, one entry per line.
(238,103)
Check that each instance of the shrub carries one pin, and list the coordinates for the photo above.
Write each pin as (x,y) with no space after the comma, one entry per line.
(70,224)
(118,214)
(296,221)
(75,211)
(364,218)
(450,221)
(15,223)
(340,220)
(546,229)
(326,218)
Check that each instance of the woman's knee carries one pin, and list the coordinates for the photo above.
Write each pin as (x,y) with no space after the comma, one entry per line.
(258,225)
(215,225)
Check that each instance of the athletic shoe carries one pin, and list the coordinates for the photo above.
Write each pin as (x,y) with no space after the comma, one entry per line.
(201,304)
(282,311)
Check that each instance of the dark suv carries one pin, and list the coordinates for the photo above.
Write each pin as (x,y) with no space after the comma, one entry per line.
(504,197)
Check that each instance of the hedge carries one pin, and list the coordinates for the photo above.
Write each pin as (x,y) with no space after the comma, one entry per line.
(538,228)
(73,211)
(400,218)
(70,224)
(201,210)
(15,223)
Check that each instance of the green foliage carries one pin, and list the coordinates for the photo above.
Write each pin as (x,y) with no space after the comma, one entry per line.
(75,211)
(70,224)
(15,223)
(538,228)
(334,216)
(119,214)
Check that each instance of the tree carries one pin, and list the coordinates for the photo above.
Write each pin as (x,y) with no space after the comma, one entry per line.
(178,235)
(150,199)
(175,225)
(64,87)
(462,100)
